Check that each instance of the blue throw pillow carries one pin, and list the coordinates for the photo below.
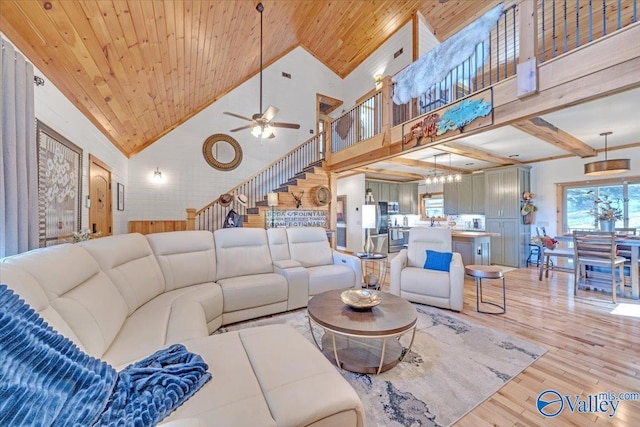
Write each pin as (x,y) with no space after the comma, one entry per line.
(437,260)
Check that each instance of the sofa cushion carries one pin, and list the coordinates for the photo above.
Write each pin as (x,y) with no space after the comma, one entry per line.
(241,251)
(254,290)
(426,282)
(278,244)
(330,277)
(309,246)
(440,261)
(423,238)
(82,295)
(130,263)
(278,374)
(169,318)
(185,258)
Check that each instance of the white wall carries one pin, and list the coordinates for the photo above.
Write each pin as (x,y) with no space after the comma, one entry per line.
(361,80)
(189,180)
(545,176)
(353,187)
(56,111)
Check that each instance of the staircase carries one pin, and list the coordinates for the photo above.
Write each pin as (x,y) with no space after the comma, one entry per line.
(304,182)
(300,170)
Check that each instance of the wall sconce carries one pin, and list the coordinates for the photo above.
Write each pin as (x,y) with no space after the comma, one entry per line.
(272,200)
(378,81)
(157,175)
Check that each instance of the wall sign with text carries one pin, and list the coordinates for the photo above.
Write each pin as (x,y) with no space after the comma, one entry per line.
(298,218)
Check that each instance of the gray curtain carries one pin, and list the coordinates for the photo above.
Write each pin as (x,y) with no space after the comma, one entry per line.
(19,155)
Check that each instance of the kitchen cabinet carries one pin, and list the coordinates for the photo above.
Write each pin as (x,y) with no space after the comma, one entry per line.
(477,195)
(408,198)
(375,189)
(505,249)
(473,250)
(466,196)
(393,192)
(450,195)
(503,194)
(503,191)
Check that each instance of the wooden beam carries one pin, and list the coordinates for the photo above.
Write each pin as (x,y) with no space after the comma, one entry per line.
(403,161)
(407,176)
(476,153)
(547,132)
(527,75)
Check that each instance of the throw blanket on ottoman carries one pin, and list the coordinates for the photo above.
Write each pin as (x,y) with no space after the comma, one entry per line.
(46,380)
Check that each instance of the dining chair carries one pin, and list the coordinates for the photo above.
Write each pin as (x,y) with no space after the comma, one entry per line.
(546,253)
(624,250)
(597,249)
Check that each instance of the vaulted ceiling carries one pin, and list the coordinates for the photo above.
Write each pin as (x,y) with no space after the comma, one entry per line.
(138,69)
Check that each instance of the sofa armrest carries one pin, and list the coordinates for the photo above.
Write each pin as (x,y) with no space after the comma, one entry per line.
(456,282)
(397,265)
(351,261)
(298,283)
(286,263)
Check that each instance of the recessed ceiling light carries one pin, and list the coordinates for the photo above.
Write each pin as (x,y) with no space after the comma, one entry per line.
(514,155)
(469,164)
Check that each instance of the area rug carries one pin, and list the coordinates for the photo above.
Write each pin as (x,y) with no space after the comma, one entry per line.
(453,366)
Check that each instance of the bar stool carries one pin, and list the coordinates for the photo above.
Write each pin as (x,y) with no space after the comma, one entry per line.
(479,272)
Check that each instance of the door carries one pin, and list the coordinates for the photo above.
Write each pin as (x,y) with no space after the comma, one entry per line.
(100,214)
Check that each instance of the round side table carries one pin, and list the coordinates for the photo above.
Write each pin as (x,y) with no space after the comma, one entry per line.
(479,272)
(374,269)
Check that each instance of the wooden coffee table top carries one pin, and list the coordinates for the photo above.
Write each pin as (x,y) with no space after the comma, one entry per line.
(393,315)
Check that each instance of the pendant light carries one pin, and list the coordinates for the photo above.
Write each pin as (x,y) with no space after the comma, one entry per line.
(607,167)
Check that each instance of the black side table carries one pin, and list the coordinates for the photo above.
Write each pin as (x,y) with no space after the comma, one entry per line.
(374,269)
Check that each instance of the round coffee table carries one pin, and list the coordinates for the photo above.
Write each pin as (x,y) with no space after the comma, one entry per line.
(362,341)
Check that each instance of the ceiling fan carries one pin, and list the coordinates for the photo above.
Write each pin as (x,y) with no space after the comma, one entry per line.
(262,123)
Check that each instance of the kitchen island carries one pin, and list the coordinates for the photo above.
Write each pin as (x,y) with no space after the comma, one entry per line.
(473,246)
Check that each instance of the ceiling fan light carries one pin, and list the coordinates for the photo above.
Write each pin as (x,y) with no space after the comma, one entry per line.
(607,167)
(257,131)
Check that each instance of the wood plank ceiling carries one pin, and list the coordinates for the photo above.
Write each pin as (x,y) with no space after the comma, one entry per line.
(138,69)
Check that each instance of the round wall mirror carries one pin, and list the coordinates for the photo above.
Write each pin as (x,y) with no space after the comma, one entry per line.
(222,152)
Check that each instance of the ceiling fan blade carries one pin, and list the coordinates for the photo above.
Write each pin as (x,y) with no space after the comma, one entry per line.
(241,128)
(284,125)
(270,113)
(237,115)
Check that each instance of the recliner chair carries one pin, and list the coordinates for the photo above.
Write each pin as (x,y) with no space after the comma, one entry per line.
(411,281)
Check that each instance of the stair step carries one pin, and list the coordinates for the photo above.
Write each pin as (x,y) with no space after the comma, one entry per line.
(261,203)
(253,211)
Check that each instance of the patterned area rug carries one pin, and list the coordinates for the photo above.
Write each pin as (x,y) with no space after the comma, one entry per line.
(453,366)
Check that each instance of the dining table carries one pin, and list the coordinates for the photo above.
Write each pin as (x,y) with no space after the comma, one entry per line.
(626,240)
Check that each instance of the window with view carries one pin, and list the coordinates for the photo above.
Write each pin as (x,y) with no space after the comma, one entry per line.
(581,212)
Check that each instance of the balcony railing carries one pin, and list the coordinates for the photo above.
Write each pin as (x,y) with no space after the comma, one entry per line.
(362,122)
(474,74)
(211,217)
(569,24)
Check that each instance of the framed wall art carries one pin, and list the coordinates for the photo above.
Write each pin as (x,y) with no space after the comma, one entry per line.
(120,197)
(59,186)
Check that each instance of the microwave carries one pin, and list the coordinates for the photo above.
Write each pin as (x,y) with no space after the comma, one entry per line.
(393,208)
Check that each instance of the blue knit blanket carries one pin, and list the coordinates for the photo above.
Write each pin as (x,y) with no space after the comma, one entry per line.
(46,380)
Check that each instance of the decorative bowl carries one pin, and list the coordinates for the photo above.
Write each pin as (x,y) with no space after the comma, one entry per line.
(361,299)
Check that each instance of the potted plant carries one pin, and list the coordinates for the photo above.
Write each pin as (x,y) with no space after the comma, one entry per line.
(606,213)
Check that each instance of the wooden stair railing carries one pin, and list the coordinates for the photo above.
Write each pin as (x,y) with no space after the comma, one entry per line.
(308,154)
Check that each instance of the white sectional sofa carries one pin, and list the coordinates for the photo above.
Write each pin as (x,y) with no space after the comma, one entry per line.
(124,297)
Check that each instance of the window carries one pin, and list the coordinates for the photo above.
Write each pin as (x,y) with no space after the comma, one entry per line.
(579,205)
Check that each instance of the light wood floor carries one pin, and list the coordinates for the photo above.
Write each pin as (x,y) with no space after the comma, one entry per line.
(589,350)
